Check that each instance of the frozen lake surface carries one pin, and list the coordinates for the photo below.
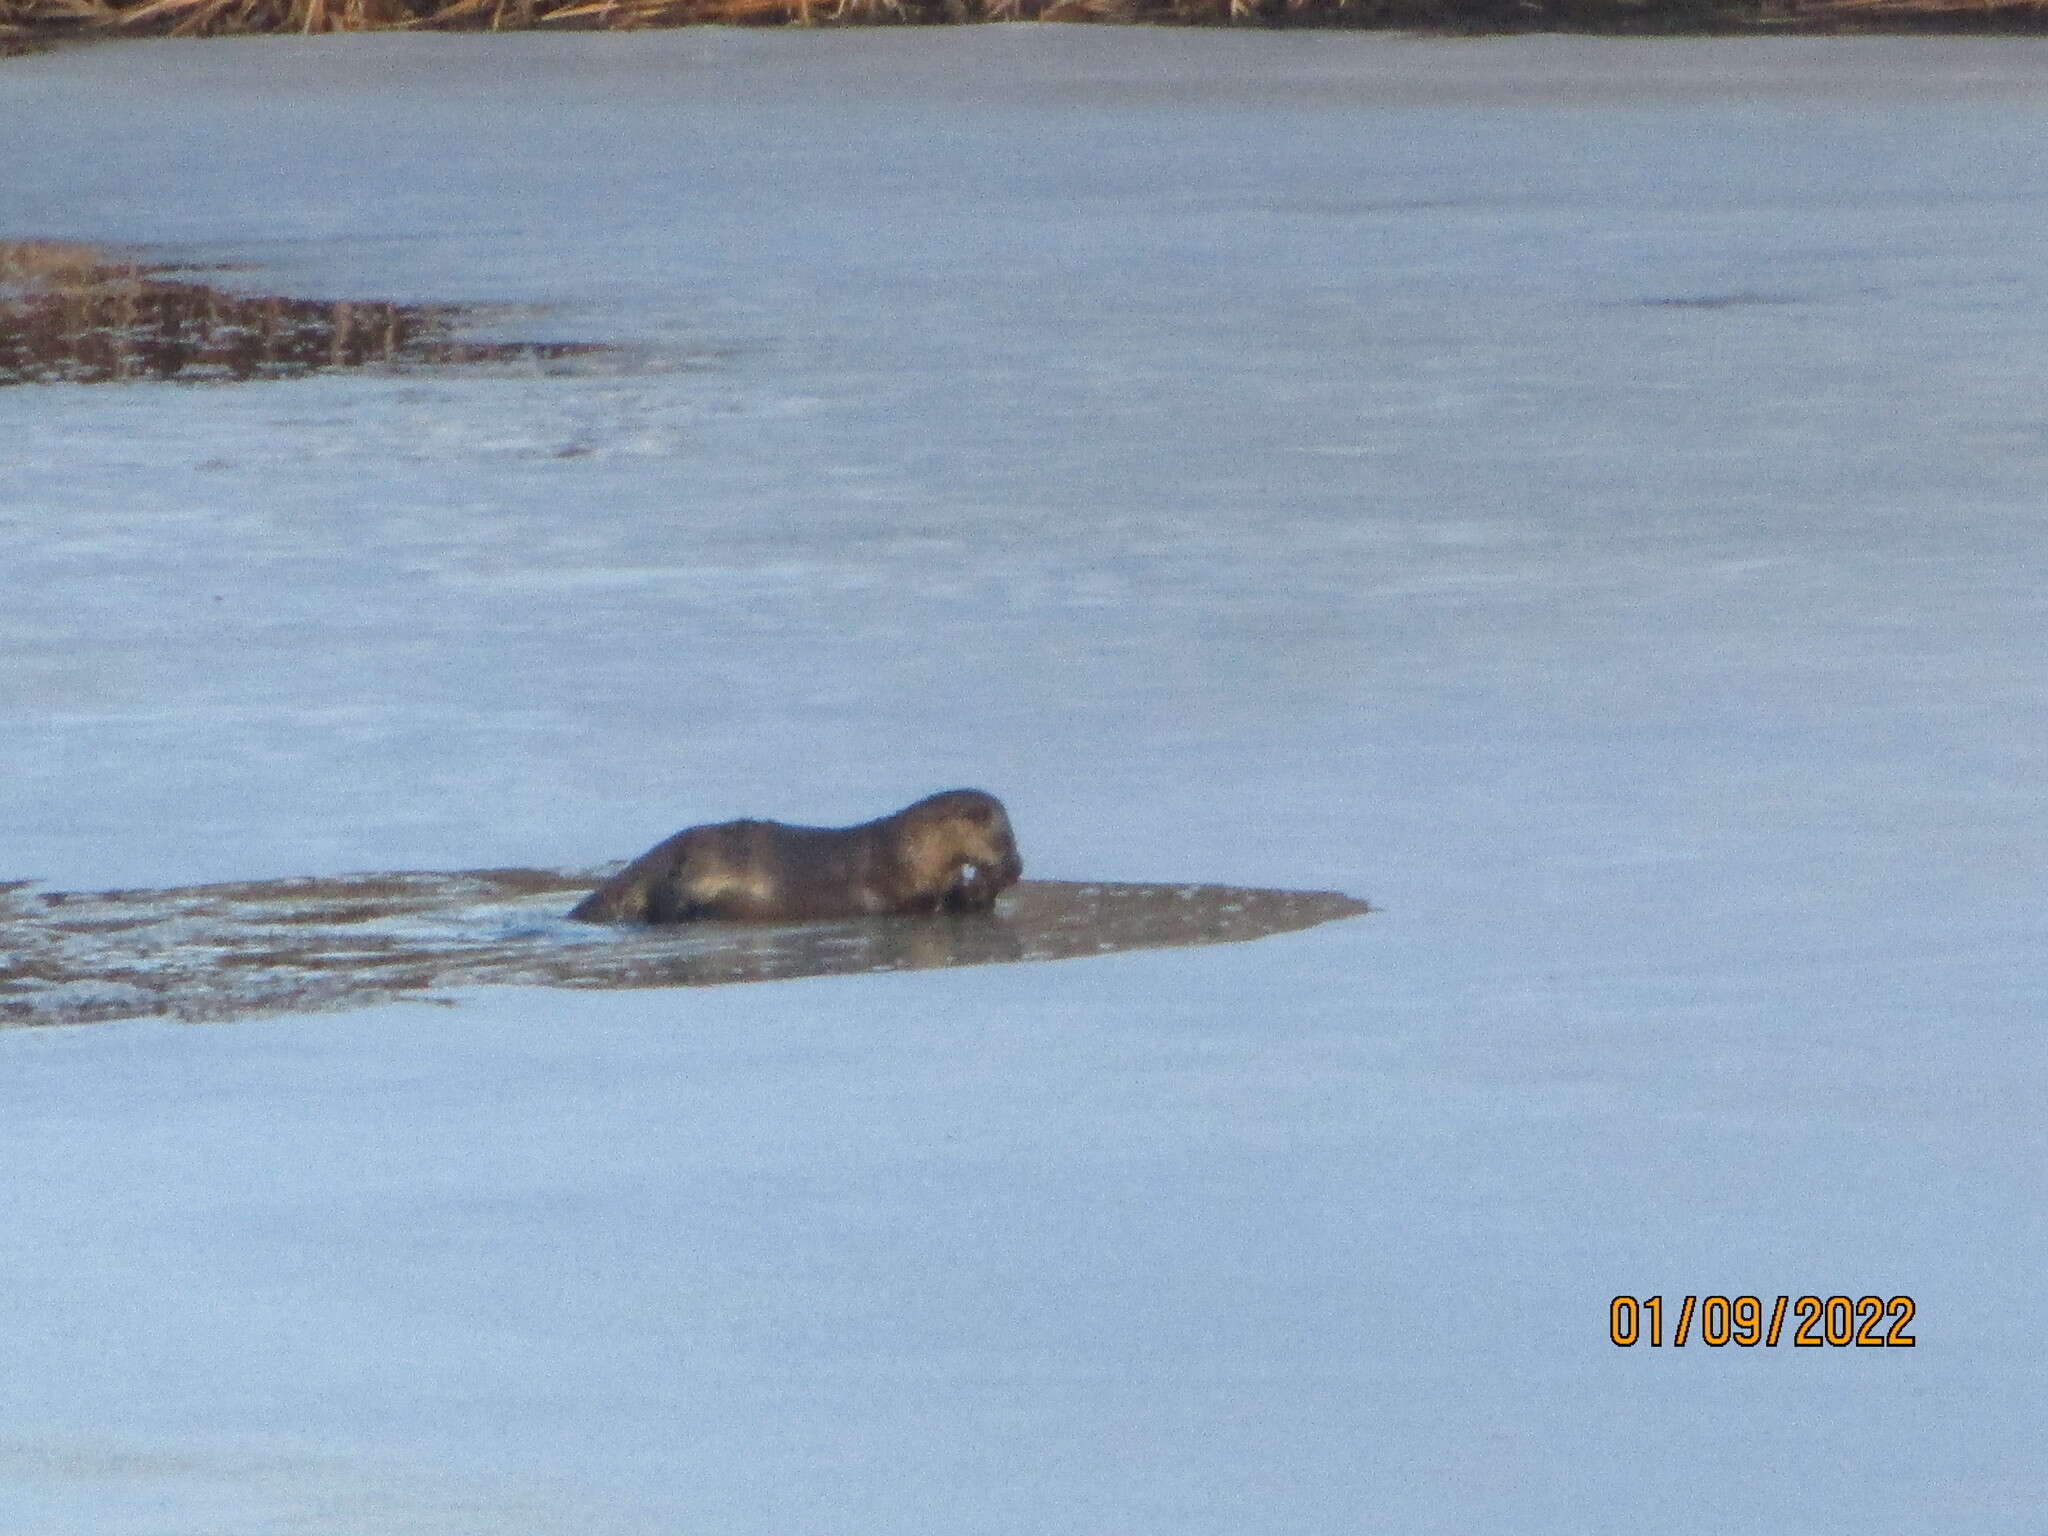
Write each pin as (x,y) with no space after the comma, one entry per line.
(1585,496)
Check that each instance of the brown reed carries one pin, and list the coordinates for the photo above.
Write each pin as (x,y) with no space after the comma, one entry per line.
(56,18)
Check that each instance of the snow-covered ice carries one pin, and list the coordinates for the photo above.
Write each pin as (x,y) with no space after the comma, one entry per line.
(1583,495)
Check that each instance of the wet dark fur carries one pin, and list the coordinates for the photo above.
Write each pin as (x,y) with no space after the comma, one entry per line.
(951,852)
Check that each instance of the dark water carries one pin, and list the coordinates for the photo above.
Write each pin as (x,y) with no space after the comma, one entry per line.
(290,946)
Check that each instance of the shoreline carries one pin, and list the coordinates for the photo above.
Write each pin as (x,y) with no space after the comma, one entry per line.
(34,26)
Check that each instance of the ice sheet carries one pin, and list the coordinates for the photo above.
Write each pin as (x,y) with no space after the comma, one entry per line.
(1585,495)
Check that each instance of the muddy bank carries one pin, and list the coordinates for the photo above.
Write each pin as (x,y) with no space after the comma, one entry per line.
(245,950)
(75,314)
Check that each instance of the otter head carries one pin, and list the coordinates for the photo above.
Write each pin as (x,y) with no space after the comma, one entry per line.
(961,849)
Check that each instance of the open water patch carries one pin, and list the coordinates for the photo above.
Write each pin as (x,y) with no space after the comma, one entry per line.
(77,314)
(256,948)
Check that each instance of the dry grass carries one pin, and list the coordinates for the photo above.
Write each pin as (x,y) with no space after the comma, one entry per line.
(189,17)
(1946,15)
(32,19)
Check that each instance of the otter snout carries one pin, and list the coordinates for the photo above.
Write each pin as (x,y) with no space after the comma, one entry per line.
(980,882)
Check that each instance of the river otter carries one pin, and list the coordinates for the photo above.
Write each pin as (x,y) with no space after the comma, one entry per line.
(950,852)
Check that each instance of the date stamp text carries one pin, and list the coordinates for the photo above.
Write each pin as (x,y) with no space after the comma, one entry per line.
(1838,1322)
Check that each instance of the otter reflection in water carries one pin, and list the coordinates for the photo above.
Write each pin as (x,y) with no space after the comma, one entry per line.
(950,852)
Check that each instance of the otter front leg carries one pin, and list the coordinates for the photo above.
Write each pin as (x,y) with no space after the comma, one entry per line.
(669,902)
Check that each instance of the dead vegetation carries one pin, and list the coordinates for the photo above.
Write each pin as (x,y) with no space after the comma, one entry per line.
(30,20)
(73,314)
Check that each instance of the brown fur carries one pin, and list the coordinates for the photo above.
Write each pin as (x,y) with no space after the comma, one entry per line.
(950,852)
